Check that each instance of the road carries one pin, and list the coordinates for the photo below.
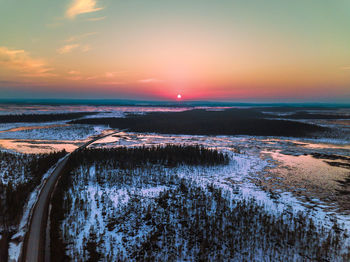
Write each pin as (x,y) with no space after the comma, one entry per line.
(33,246)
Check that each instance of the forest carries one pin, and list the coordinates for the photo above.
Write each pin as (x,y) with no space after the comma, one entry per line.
(168,155)
(202,122)
(20,175)
(125,159)
(154,212)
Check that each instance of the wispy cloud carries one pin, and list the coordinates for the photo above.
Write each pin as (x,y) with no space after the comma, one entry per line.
(112,83)
(93,19)
(74,75)
(345,68)
(114,73)
(107,78)
(78,7)
(150,80)
(109,74)
(79,37)
(21,61)
(69,48)
(74,72)
(92,77)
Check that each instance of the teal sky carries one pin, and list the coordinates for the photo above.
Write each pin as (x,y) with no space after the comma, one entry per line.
(219,50)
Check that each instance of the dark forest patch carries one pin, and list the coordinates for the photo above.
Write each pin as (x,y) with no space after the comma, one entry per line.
(37,118)
(202,122)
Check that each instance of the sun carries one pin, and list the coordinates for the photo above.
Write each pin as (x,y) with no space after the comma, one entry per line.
(179,96)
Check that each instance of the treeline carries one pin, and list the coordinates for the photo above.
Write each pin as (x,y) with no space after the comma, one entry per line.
(201,122)
(169,155)
(36,118)
(21,174)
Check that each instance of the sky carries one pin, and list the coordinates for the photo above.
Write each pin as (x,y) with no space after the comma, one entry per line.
(228,50)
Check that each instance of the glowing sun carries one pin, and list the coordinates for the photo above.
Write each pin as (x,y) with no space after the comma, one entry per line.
(179,96)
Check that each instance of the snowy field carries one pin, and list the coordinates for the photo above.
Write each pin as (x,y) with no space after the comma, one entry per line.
(56,132)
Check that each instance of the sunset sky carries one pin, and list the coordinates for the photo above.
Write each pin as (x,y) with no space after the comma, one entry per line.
(230,50)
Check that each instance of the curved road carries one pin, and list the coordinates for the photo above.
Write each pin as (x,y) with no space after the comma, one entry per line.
(34,242)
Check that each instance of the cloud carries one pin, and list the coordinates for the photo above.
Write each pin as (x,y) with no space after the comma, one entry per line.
(21,61)
(92,77)
(114,74)
(78,7)
(79,37)
(150,80)
(69,48)
(93,19)
(73,72)
(110,74)
(107,83)
(345,68)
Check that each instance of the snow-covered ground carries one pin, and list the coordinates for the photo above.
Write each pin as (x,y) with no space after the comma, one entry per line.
(7,109)
(13,168)
(61,132)
(291,160)
(279,176)
(100,197)
(11,126)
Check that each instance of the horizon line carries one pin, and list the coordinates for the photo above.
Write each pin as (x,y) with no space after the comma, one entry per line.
(138,102)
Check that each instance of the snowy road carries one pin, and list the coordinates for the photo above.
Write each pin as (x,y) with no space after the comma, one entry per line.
(34,242)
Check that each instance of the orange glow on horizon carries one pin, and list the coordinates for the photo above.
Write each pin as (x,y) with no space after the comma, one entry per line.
(159,50)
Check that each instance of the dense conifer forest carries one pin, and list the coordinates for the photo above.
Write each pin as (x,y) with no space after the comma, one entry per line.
(168,155)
